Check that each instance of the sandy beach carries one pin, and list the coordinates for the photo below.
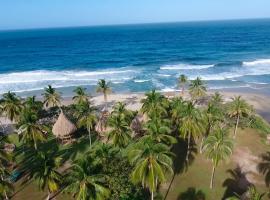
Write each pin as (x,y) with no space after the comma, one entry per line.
(260,102)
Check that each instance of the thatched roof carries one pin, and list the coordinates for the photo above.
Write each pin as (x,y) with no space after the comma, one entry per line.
(63,127)
(137,125)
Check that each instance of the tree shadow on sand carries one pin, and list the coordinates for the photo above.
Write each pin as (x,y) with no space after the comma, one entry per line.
(180,164)
(264,167)
(192,194)
(237,184)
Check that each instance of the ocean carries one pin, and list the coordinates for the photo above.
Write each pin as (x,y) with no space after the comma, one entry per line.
(137,58)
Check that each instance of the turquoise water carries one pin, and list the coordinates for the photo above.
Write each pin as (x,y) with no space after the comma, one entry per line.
(135,58)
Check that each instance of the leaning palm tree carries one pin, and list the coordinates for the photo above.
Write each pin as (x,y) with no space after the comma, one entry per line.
(51,97)
(80,95)
(191,124)
(104,88)
(182,80)
(86,182)
(197,88)
(152,161)
(11,106)
(30,131)
(218,147)
(238,108)
(86,117)
(120,133)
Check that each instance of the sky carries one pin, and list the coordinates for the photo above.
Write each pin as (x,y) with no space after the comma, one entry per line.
(24,14)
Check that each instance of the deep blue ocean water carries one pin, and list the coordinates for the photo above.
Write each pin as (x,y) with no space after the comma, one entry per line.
(227,54)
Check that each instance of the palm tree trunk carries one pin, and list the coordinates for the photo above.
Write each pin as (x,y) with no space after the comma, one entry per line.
(236,125)
(212,177)
(183,90)
(35,145)
(188,147)
(49,195)
(105,100)
(89,135)
(201,146)
(152,195)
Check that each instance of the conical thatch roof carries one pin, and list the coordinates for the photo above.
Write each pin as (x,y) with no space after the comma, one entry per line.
(63,127)
(137,124)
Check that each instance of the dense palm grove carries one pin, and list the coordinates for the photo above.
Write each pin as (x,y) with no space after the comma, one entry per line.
(125,162)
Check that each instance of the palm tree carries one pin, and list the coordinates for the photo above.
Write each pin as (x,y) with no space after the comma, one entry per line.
(43,167)
(51,97)
(238,108)
(264,167)
(120,133)
(5,185)
(81,95)
(86,118)
(159,131)
(120,109)
(151,161)
(191,124)
(182,80)
(32,104)
(30,131)
(216,99)
(11,106)
(154,104)
(212,116)
(197,89)
(177,106)
(218,147)
(104,88)
(86,182)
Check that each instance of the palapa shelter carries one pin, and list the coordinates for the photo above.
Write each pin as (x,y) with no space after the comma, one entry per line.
(64,128)
(137,125)
(101,125)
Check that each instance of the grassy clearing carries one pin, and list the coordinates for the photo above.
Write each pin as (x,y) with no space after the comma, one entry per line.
(198,173)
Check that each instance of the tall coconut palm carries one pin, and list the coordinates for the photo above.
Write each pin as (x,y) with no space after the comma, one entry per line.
(86,118)
(197,88)
(218,147)
(238,108)
(30,131)
(86,182)
(120,133)
(216,99)
(43,166)
(80,95)
(104,88)
(51,97)
(177,106)
(154,103)
(11,106)
(212,116)
(159,131)
(182,80)
(191,124)
(152,161)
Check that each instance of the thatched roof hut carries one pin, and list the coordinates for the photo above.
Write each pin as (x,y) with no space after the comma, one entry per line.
(63,128)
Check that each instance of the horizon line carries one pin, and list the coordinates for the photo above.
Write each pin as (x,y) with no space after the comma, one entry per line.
(135,23)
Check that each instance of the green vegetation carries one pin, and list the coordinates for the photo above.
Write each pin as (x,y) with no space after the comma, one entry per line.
(119,162)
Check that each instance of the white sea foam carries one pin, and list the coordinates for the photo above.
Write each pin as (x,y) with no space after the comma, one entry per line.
(185,67)
(141,80)
(264,62)
(35,80)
